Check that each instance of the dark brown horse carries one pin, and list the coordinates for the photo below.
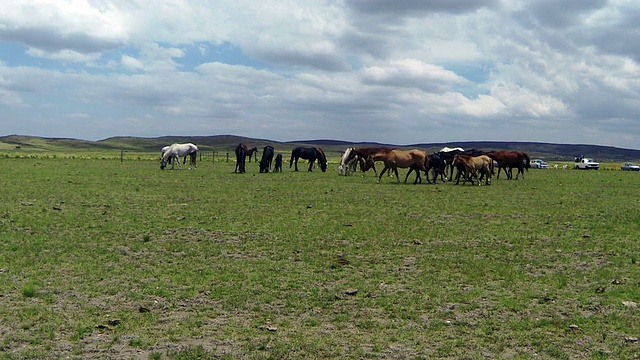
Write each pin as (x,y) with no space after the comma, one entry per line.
(510,159)
(252,153)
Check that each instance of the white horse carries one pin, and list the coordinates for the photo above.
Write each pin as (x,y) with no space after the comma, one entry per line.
(448,149)
(347,167)
(174,152)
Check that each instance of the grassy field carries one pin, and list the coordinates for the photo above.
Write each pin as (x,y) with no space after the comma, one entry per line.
(107,259)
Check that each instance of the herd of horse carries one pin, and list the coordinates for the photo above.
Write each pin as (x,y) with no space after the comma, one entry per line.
(172,154)
(469,164)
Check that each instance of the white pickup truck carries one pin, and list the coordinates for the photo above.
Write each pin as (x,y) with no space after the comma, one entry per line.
(583,163)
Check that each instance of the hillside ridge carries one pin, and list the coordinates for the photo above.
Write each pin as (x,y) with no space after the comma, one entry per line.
(548,151)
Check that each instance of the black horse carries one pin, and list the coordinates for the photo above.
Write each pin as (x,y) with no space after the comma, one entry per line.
(437,166)
(278,166)
(241,154)
(267,158)
(311,154)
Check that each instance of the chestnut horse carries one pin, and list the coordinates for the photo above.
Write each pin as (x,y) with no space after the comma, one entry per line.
(510,159)
(394,159)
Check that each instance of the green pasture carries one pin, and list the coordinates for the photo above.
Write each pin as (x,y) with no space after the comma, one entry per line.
(109,259)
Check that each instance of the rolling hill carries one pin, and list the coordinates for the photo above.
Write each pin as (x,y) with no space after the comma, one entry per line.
(548,151)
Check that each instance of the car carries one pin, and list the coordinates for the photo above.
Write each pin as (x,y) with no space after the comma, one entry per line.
(538,164)
(583,163)
(629,166)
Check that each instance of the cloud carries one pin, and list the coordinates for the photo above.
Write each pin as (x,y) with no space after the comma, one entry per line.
(55,27)
(390,71)
(412,73)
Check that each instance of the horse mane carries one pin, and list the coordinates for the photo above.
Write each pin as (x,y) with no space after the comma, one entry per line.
(167,154)
(527,161)
(324,157)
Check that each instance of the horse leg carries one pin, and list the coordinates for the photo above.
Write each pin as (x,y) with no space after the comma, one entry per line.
(457,176)
(408,172)
(382,173)
(419,178)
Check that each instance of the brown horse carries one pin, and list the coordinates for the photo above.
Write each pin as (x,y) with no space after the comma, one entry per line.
(363,155)
(471,165)
(510,159)
(252,153)
(394,159)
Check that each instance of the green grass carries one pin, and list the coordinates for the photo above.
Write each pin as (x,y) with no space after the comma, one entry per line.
(108,257)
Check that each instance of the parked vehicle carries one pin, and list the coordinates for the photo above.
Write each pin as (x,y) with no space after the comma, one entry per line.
(583,163)
(539,164)
(628,166)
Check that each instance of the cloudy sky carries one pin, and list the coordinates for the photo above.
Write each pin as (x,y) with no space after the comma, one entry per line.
(391,71)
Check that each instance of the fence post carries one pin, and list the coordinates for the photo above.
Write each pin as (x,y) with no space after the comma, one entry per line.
(121,155)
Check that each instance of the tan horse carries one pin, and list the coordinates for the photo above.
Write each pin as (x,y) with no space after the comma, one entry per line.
(471,165)
(394,159)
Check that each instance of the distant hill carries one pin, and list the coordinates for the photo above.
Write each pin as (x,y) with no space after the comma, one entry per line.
(547,151)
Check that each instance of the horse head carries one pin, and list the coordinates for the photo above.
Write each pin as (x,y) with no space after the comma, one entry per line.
(322,159)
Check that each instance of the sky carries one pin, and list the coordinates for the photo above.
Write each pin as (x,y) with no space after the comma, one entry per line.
(395,72)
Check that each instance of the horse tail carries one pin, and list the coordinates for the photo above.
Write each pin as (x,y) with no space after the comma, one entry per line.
(293,155)
(194,157)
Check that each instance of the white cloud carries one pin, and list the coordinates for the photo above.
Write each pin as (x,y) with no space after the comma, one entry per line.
(412,73)
(403,71)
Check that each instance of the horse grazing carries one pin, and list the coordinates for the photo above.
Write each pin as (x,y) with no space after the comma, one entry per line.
(471,165)
(363,157)
(165,148)
(394,159)
(278,165)
(241,155)
(510,159)
(175,152)
(348,162)
(309,153)
(267,158)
